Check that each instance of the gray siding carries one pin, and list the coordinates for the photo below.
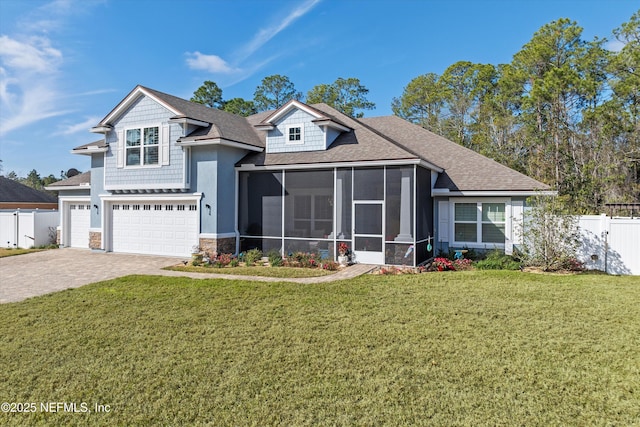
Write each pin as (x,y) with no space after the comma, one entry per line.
(144,112)
(313,134)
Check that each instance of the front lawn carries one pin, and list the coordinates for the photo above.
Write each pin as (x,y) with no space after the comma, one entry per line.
(438,349)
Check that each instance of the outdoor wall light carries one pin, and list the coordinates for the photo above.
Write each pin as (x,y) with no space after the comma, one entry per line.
(96,208)
(208,206)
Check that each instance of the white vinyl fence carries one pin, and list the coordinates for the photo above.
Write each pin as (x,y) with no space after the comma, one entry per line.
(610,244)
(26,229)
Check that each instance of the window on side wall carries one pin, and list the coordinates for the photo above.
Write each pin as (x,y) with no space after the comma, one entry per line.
(294,134)
(479,223)
(142,145)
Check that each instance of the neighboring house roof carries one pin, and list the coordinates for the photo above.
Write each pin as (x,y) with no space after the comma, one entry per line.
(80,180)
(14,194)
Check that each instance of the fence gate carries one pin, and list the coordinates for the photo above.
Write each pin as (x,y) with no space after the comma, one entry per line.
(610,244)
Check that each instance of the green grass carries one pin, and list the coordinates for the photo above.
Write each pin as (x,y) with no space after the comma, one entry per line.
(4,252)
(440,349)
(280,272)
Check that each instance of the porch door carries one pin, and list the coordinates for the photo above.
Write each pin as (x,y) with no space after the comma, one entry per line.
(368,233)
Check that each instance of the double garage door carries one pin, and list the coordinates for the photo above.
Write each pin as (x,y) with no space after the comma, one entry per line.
(154,227)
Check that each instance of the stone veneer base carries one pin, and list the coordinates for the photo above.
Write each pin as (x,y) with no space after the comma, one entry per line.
(95,240)
(224,245)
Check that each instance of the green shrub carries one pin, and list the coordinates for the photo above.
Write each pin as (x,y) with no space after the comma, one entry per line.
(252,256)
(275,259)
(234,262)
(496,260)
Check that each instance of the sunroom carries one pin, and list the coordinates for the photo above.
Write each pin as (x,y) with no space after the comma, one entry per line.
(384,214)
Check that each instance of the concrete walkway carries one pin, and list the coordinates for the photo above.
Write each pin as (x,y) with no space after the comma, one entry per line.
(39,273)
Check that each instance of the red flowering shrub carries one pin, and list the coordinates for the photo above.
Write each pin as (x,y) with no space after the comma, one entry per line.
(443,264)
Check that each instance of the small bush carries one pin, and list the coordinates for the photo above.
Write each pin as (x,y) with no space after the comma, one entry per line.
(303,259)
(234,262)
(330,265)
(252,256)
(496,260)
(443,264)
(275,259)
(463,264)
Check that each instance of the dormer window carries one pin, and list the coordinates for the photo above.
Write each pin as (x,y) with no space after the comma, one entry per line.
(295,134)
(142,146)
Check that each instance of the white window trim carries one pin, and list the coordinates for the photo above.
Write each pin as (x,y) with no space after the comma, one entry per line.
(479,244)
(159,145)
(286,134)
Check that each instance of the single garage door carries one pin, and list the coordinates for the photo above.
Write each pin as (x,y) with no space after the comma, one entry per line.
(157,228)
(79,221)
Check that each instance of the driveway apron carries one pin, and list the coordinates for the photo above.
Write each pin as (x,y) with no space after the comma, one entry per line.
(39,273)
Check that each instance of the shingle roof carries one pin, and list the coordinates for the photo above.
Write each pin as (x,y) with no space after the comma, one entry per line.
(359,145)
(222,124)
(370,139)
(392,138)
(82,179)
(13,191)
(465,170)
(86,147)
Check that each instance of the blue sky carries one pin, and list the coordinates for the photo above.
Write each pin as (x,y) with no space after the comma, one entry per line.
(65,64)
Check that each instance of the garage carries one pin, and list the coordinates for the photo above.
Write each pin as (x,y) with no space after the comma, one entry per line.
(154,227)
(79,222)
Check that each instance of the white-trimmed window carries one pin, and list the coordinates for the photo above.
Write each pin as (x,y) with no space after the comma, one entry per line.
(294,134)
(479,223)
(142,145)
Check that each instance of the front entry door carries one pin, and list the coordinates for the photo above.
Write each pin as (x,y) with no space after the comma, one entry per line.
(368,233)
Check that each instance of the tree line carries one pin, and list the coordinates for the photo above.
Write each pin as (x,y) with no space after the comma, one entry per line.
(565,110)
(345,95)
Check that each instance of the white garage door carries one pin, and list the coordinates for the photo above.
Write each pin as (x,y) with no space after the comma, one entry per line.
(157,228)
(79,221)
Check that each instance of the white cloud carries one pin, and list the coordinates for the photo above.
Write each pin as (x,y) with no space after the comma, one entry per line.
(211,63)
(216,64)
(27,81)
(30,66)
(266,34)
(34,55)
(79,127)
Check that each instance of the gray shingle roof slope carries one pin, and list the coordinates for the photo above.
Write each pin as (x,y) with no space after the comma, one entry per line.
(360,144)
(465,170)
(74,181)
(13,191)
(222,124)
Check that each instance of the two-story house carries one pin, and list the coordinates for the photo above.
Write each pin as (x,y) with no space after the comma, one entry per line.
(169,174)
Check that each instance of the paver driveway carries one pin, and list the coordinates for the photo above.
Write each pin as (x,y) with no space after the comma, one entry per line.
(39,273)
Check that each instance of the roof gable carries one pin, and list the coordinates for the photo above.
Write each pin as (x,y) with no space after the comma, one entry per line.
(133,96)
(211,123)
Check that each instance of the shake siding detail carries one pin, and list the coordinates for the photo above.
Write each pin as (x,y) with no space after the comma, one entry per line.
(313,134)
(143,113)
